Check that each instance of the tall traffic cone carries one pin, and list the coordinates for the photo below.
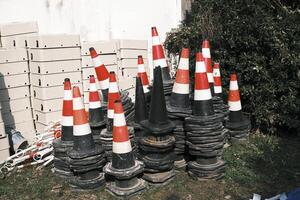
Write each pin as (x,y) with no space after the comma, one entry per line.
(217,81)
(96,116)
(208,64)
(202,104)
(86,158)
(158,55)
(102,73)
(181,88)
(67,113)
(144,78)
(123,167)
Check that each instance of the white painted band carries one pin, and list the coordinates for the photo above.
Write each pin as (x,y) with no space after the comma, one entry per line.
(119,119)
(216,73)
(160,62)
(183,64)
(141,68)
(233,85)
(146,88)
(110,113)
(235,105)
(200,67)
(77,103)
(210,77)
(97,62)
(113,87)
(104,84)
(94,104)
(155,40)
(218,89)
(66,121)
(93,87)
(80,130)
(180,88)
(121,147)
(68,95)
(206,52)
(201,95)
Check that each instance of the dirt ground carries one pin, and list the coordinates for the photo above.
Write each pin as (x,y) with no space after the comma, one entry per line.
(266,165)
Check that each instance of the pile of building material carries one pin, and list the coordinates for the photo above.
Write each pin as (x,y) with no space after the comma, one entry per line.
(52,59)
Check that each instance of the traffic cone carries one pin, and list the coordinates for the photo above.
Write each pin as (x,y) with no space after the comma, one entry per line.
(202,105)
(96,116)
(217,81)
(102,73)
(144,78)
(180,93)
(67,113)
(208,64)
(158,55)
(140,107)
(123,167)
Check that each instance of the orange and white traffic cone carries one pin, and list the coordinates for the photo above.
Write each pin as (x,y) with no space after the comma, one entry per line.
(207,59)
(123,167)
(181,88)
(144,78)
(102,73)
(67,113)
(217,81)
(158,55)
(203,105)
(96,116)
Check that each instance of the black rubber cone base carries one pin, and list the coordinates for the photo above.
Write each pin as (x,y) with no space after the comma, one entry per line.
(104,95)
(159,179)
(124,173)
(244,123)
(67,133)
(181,101)
(119,192)
(81,184)
(140,107)
(154,144)
(62,173)
(83,154)
(180,164)
(96,117)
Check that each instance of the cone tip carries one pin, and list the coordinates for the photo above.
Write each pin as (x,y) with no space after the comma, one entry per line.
(154,31)
(76,92)
(140,60)
(233,76)
(185,53)
(112,77)
(92,79)
(205,44)
(93,52)
(67,84)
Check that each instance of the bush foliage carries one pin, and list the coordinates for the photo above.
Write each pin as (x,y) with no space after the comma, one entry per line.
(260,40)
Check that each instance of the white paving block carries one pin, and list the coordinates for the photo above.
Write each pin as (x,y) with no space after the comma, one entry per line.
(4,148)
(132,53)
(17,117)
(13,81)
(44,55)
(13,68)
(14,93)
(54,66)
(15,105)
(15,41)
(27,129)
(125,84)
(53,41)
(16,28)
(131,63)
(108,59)
(2,130)
(13,55)
(101,47)
(47,105)
(132,44)
(47,118)
(49,80)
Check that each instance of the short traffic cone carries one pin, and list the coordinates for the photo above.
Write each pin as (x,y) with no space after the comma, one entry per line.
(67,113)
(144,78)
(202,104)
(181,88)
(102,73)
(123,167)
(208,64)
(158,55)
(217,81)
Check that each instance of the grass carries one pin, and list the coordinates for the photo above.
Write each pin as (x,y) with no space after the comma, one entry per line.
(266,165)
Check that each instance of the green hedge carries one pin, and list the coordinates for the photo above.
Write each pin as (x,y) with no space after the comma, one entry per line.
(260,40)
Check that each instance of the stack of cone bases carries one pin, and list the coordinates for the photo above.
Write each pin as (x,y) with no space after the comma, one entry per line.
(87,158)
(114,95)
(159,59)
(218,102)
(204,130)
(142,74)
(156,147)
(63,145)
(96,115)
(124,168)
(179,107)
(238,125)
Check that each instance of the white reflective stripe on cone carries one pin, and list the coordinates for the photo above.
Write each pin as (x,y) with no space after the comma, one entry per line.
(113,87)
(80,130)
(77,103)
(119,119)
(210,77)
(97,62)
(121,147)
(110,113)
(68,95)
(141,68)
(206,52)
(216,73)
(104,84)
(160,62)
(94,104)
(218,89)
(233,85)
(146,88)
(201,95)
(66,121)
(235,105)
(93,87)
(183,64)
(155,41)
(200,67)
(180,88)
